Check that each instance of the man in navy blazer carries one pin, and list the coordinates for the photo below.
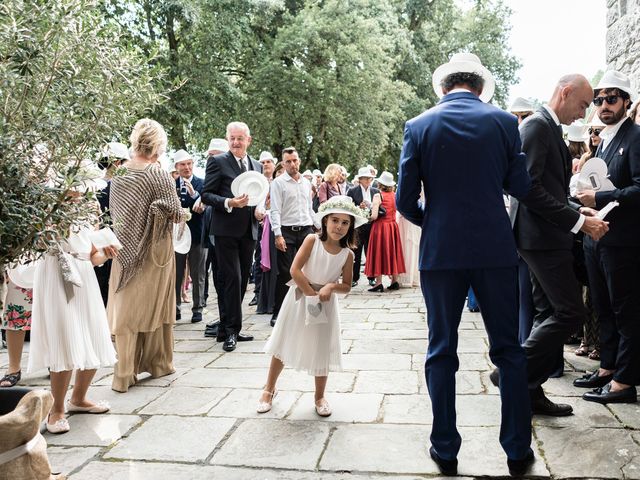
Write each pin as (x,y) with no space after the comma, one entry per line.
(189,188)
(466,153)
(234,227)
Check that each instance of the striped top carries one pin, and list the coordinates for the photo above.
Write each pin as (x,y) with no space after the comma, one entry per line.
(143,205)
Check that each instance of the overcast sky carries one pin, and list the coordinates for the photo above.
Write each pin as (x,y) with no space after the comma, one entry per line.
(555,37)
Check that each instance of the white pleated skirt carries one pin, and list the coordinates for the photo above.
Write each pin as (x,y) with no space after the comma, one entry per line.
(73,334)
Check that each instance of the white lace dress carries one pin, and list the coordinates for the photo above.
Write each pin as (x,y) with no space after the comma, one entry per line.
(312,348)
(69,332)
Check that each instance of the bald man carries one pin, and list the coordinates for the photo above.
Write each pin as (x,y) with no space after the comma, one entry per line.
(544,224)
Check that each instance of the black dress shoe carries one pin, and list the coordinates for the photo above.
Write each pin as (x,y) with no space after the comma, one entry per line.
(541,405)
(230,343)
(495,377)
(178,315)
(211,332)
(474,309)
(254,301)
(378,288)
(592,380)
(274,317)
(196,317)
(244,338)
(518,468)
(221,338)
(605,395)
(394,286)
(354,283)
(447,467)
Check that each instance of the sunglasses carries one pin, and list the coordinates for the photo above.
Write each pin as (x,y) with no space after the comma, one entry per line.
(595,131)
(522,116)
(610,99)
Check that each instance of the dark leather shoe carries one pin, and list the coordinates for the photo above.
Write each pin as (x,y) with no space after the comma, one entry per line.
(244,338)
(541,405)
(211,332)
(474,309)
(230,343)
(196,317)
(254,301)
(517,468)
(394,286)
(592,380)
(605,395)
(447,467)
(376,289)
(495,377)
(178,315)
(274,317)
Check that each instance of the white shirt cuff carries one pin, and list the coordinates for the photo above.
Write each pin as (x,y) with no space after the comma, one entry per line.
(277,232)
(195,194)
(226,205)
(576,228)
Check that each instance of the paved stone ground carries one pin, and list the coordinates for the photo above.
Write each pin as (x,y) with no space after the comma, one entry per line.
(200,423)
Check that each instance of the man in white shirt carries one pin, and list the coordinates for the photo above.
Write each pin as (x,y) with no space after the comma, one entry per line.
(292,219)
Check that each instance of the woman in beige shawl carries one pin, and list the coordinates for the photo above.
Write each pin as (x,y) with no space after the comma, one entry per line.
(143,206)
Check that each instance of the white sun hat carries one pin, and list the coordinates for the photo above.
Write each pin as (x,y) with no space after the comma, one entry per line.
(364,172)
(88,178)
(596,122)
(615,79)
(181,156)
(386,179)
(219,144)
(266,156)
(307,173)
(181,238)
(23,274)
(116,150)
(464,63)
(576,132)
(254,184)
(521,104)
(341,204)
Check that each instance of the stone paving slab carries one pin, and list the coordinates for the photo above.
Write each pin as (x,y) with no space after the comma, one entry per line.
(242,403)
(372,361)
(585,414)
(629,414)
(171,438)
(346,407)
(611,451)
(131,402)
(186,401)
(387,382)
(67,459)
(274,443)
(99,430)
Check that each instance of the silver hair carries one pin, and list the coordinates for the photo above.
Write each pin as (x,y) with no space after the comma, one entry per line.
(240,126)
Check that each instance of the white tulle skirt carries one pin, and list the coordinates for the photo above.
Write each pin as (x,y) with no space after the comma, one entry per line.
(73,334)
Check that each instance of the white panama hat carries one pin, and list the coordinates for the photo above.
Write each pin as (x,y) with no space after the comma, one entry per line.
(219,144)
(181,156)
(317,173)
(266,156)
(596,122)
(181,239)
(615,79)
(116,150)
(467,63)
(307,173)
(364,172)
(521,104)
(341,204)
(386,179)
(576,132)
(254,184)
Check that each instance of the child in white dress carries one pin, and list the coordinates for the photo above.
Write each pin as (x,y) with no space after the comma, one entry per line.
(307,333)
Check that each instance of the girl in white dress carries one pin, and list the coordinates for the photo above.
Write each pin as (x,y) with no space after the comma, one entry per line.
(69,328)
(307,333)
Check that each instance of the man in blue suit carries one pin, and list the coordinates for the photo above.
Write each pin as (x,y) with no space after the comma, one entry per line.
(465,153)
(189,188)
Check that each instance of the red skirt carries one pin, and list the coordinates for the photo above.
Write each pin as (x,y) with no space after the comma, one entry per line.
(384,253)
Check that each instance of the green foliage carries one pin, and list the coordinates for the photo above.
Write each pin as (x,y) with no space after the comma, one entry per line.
(66,88)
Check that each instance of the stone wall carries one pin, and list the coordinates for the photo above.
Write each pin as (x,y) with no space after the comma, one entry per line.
(623,38)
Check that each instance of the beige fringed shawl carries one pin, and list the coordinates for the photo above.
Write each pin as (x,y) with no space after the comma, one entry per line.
(143,205)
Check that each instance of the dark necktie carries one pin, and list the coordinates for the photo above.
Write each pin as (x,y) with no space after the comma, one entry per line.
(242,167)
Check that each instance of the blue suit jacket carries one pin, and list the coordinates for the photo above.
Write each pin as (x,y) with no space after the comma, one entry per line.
(197,219)
(465,153)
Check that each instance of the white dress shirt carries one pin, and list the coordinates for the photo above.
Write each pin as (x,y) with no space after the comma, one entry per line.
(576,228)
(366,194)
(190,180)
(610,132)
(290,203)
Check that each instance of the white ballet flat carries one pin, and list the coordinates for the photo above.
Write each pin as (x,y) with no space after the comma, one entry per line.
(100,407)
(61,426)
(324,410)
(264,407)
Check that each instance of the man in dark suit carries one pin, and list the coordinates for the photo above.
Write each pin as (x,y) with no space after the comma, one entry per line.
(544,224)
(465,153)
(613,263)
(189,188)
(362,196)
(234,227)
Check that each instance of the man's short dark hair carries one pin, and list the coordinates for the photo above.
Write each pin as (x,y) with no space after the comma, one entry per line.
(472,80)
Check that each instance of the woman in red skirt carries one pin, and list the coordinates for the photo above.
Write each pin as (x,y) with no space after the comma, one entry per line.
(384,254)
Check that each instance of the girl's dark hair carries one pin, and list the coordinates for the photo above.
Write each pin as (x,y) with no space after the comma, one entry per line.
(577,149)
(385,188)
(350,240)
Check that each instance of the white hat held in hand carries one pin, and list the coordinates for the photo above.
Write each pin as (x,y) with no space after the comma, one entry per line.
(464,63)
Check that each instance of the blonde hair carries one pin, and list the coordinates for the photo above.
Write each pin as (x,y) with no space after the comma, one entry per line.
(332,172)
(148,138)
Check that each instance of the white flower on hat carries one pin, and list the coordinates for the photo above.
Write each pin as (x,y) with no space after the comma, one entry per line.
(341,204)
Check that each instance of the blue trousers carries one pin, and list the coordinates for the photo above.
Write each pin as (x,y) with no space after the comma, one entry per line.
(497,291)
